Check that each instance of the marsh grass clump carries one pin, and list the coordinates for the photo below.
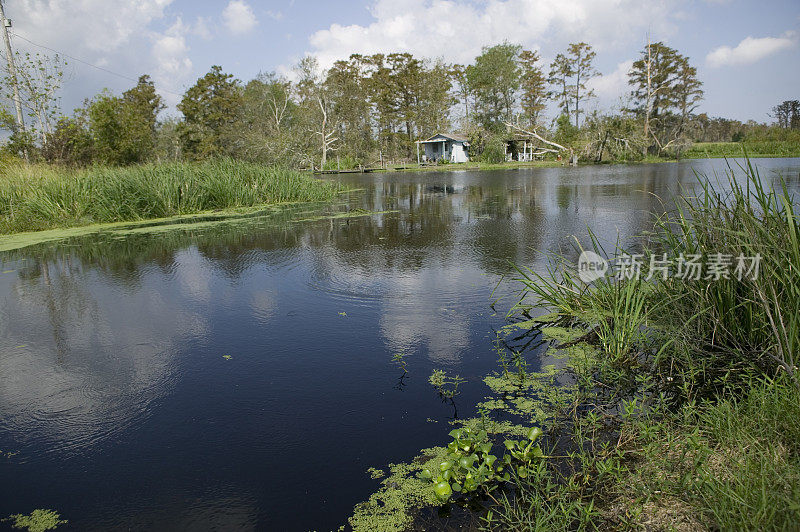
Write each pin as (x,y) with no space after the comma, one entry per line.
(37,197)
(725,330)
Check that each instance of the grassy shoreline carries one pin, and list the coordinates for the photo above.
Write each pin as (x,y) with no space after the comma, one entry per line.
(39,197)
(668,404)
(701,150)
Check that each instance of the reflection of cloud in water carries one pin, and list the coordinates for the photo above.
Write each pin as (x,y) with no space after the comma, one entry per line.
(193,275)
(92,361)
(423,308)
(262,305)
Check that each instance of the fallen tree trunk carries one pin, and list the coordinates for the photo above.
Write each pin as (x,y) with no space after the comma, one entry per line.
(535,135)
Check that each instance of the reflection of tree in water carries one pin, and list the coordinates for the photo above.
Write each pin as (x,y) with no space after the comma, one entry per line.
(57,286)
(98,351)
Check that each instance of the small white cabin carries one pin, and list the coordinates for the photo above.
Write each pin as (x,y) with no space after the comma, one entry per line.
(445,146)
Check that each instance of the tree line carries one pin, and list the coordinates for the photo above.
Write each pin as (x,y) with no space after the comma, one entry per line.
(372,108)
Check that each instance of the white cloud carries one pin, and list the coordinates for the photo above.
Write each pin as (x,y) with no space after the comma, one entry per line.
(457,29)
(239,18)
(202,28)
(750,50)
(610,87)
(114,35)
(96,25)
(170,54)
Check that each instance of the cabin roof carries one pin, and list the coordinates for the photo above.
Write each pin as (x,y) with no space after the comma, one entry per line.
(448,136)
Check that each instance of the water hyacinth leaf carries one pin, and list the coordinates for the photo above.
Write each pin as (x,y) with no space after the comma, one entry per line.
(443,491)
(456,486)
(534,433)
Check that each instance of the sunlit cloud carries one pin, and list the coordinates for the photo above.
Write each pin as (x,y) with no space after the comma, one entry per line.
(239,17)
(750,50)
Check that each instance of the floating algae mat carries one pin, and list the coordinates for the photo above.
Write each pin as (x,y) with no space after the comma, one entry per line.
(189,222)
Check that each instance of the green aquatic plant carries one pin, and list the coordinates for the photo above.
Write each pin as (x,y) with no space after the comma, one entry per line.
(445,385)
(469,465)
(399,359)
(375,473)
(392,507)
(38,521)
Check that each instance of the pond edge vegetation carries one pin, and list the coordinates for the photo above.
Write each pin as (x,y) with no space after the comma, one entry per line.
(664,404)
(40,197)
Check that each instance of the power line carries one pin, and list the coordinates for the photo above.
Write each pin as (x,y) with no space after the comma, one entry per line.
(123,76)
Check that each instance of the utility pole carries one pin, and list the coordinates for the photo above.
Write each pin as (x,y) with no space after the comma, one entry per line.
(12,68)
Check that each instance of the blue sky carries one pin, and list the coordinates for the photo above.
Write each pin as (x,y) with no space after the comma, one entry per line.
(747,52)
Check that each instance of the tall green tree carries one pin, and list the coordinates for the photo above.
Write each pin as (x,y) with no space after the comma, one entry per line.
(533,87)
(347,87)
(581,57)
(434,98)
(688,91)
(559,79)
(124,127)
(405,83)
(209,108)
(665,91)
(653,78)
(495,80)
(787,114)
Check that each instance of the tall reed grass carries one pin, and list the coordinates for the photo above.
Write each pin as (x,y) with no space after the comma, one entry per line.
(705,410)
(731,324)
(36,197)
(711,330)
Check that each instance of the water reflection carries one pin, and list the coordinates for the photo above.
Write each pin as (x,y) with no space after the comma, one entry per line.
(112,347)
(80,369)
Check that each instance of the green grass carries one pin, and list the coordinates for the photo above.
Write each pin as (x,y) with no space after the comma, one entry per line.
(700,427)
(731,327)
(731,465)
(760,148)
(38,197)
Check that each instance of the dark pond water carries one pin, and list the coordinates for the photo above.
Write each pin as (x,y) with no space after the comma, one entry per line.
(120,409)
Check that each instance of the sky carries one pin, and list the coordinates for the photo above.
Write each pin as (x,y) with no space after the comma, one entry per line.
(747,52)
